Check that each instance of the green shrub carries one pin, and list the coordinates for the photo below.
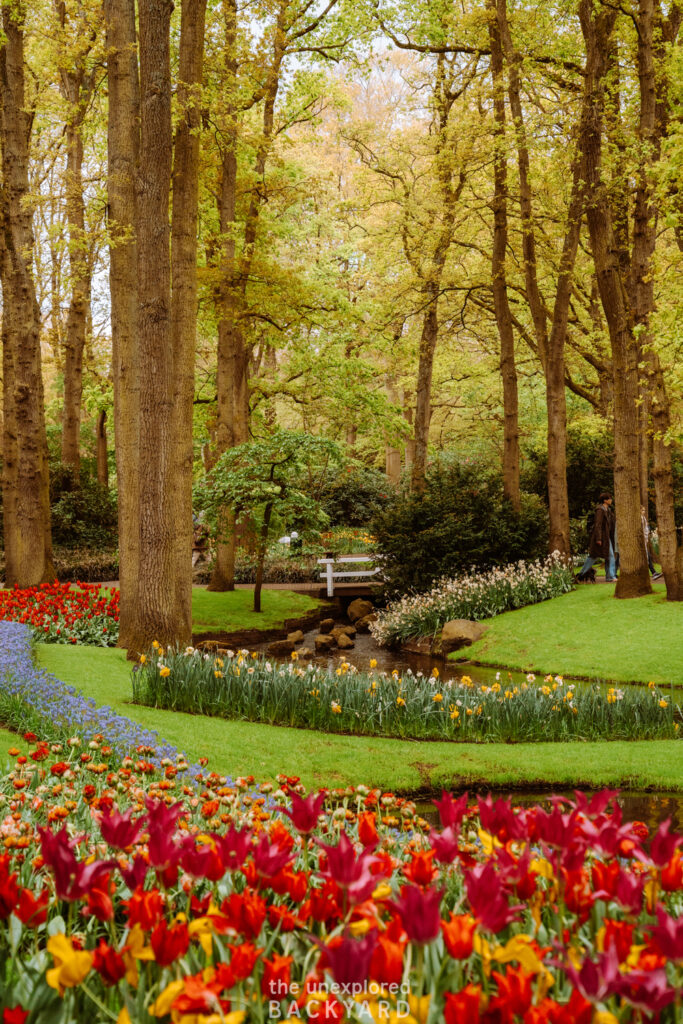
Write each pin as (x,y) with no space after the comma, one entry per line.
(351,496)
(83,511)
(460,521)
(590,465)
(86,564)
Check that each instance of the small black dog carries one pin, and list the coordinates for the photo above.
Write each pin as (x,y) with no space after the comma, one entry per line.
(587,577)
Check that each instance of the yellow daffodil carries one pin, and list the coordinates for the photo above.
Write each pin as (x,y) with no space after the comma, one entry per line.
(437,698)
(164,671)
(373,662)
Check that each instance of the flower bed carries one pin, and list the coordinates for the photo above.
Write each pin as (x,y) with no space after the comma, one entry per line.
(125,896)
(32,699)
(238,685)
(61,613)
(473,596)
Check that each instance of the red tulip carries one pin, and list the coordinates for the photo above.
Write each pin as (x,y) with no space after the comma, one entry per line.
(9,889)
(32,910)
(367,829)
(109,964)
(304,813)
(488,898)
(451,812)
(458,935)
(169,943)
(386,966)
(420,870)
(144,908)
(419,911)
(121,830)
(462,1006)
(348,959)
(275,983)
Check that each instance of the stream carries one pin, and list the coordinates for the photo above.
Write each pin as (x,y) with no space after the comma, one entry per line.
(649,807)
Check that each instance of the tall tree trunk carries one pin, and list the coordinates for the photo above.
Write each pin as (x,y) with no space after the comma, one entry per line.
(634,580)
(550,349)
(28,544)
(101,454)
(156,617)
(408,415)
(508,369)
(392,453)
(232,371)
(76,84)
(423,391)
(123,157)
(184,291)
(651,129)
(77,318)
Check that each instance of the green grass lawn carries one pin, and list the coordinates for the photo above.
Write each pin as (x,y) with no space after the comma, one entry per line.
(589,634)
(233,610)
(245,748)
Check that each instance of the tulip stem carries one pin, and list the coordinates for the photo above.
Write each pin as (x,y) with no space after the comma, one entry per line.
(98,1002)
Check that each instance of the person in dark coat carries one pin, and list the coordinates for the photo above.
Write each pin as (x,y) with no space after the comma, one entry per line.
(601,543)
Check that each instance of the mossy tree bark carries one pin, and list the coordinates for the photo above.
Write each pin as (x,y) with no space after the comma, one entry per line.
(605,230)
(28,544)
(77,82)
(123,157)
(185,184)
(508,369)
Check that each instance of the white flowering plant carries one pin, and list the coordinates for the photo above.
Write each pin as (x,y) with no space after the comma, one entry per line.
(475,595)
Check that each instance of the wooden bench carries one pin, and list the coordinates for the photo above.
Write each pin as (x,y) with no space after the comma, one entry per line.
(330,575)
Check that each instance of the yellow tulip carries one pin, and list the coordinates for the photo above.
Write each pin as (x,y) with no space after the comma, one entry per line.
(162,1004)
(71,967)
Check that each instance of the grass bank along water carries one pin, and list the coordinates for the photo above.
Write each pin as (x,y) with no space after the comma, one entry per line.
(240,748)
(588,634)
(240,685)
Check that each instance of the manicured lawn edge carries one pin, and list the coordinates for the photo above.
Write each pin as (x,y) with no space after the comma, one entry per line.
(322,759)
(231,612)
(588,634)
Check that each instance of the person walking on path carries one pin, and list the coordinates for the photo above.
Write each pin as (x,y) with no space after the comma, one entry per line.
(601,545)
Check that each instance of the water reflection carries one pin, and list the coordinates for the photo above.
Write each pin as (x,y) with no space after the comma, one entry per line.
(366,649)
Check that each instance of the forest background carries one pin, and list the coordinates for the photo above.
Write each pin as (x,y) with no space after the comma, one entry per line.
(447,236)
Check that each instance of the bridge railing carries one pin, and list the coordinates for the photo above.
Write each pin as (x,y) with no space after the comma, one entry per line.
(330,575)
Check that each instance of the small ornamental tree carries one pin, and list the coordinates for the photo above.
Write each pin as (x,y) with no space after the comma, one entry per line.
(268,482)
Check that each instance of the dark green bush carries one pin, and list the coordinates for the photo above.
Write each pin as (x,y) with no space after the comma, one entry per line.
(461,520)
(83,511)
(351,496)
(84,564)
(590,459)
